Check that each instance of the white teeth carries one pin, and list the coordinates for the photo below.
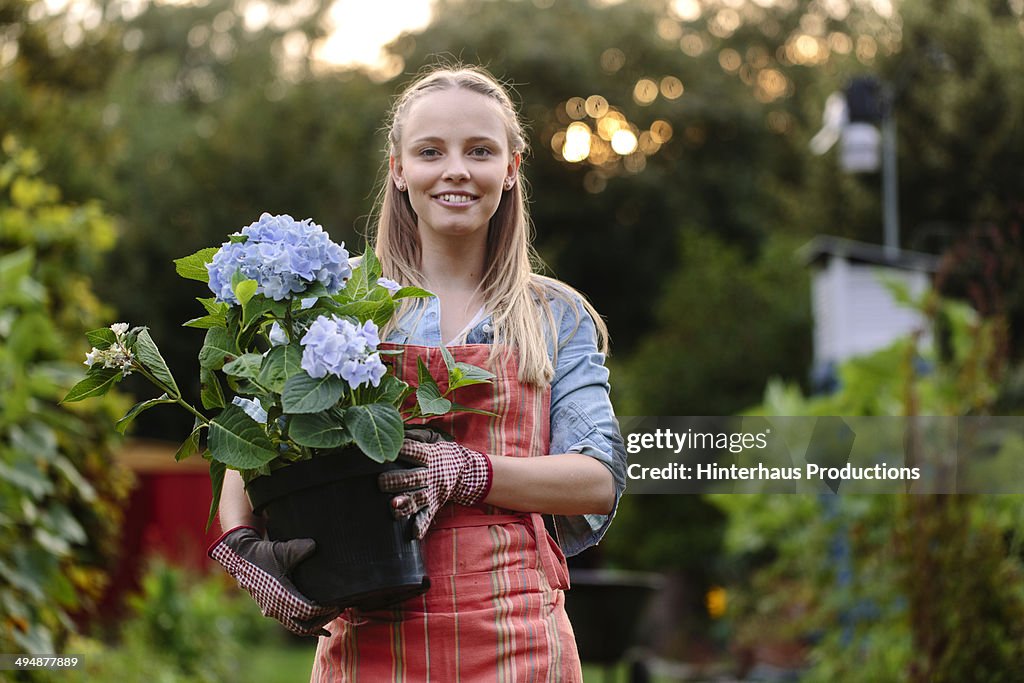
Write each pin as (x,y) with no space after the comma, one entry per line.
(455,198)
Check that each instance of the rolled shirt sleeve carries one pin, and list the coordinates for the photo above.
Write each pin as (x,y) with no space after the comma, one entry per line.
(582,418)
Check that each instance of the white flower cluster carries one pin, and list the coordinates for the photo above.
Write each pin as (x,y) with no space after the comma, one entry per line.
(117,356)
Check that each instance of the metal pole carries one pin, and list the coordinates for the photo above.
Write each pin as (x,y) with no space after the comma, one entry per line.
(890,178)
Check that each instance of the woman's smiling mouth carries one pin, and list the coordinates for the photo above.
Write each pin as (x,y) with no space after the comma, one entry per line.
(455,198)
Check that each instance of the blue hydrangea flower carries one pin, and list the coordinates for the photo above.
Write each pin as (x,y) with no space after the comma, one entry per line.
(283,256)
(277,335)
(335,346)
(389,284)
(252,408)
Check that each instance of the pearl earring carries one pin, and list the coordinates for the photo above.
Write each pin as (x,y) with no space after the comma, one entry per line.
(401,186)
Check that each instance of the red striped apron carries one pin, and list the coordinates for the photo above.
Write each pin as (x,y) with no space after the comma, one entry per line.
(495,610)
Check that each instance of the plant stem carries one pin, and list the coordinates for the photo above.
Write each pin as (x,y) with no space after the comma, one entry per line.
(289,323)
(172,394)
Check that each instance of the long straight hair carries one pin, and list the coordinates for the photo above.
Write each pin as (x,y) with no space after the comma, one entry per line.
(516,296)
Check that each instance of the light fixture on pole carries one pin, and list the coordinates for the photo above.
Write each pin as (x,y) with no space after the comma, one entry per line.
(852,118)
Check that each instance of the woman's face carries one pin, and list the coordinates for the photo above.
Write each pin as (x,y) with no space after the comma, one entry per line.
(454,161)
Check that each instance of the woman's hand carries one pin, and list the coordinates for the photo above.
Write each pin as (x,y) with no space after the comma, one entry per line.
(449,472)
(262,568)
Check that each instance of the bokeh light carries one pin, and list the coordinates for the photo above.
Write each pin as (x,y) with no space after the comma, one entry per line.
(692,45)
(645,91)
(729,59)
(687,10)
(596,106)
(576,147)
(661,131)
(576,108)
(610,124)
(612,60)
(671,88)
(624,141)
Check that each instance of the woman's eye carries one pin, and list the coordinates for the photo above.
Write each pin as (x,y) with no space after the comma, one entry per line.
(480,152)
(429,152)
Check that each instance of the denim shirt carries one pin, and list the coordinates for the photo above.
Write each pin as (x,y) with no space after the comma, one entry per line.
(582,419)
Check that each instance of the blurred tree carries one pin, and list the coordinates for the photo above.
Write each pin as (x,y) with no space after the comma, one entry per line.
(204,120)
(715,316)
(959,106)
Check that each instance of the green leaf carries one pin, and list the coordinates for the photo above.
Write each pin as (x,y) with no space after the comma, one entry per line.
(59,520)
(281,363)
(217,470)
(449,360)
(239,441)
(212,306)
(393,390)
(429,398)
(16,266)
(319,430)
(475,372)
(413,292)
(255,307)
(247,365)
(370,265)
(315,289)
(206,322)
(457,408)
(27,476)
(210,392)
(102,338)
(190,446)
(358,284)
(379,310)
(423,373)
(194,267)
(218,348)
(138,408)
(150,357)
(377,429)
(96,383)
(245,290)
(464,375)
(305,394)
(385,308)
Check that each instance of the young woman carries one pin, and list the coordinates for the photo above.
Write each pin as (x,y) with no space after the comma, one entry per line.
(453,219)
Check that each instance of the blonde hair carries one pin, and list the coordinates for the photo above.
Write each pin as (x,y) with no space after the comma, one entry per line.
(516,296)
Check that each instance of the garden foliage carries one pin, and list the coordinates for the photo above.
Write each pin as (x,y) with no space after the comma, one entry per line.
(59,486)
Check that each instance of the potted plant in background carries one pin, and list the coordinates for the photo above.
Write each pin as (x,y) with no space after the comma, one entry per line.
(307,410)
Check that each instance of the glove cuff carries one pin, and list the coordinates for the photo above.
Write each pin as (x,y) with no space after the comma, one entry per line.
(213,546)
(476,479)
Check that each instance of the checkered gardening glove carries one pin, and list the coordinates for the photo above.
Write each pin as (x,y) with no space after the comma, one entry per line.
(262,567)
(449,472)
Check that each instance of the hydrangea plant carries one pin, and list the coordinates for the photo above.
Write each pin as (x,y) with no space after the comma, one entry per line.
(290,363)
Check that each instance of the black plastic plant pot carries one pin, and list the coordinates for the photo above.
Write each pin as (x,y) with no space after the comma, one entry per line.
(605,607)
(364,557)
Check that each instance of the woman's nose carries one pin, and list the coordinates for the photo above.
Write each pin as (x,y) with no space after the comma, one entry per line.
(455,169)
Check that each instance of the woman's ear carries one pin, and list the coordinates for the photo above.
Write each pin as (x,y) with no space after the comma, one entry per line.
(512,172)
(397,173)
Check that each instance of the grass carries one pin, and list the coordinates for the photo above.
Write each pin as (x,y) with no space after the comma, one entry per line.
(283,664)
(289,663)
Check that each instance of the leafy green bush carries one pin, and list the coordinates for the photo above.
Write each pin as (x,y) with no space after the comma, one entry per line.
(919,588)
(59,488)
(182,628)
